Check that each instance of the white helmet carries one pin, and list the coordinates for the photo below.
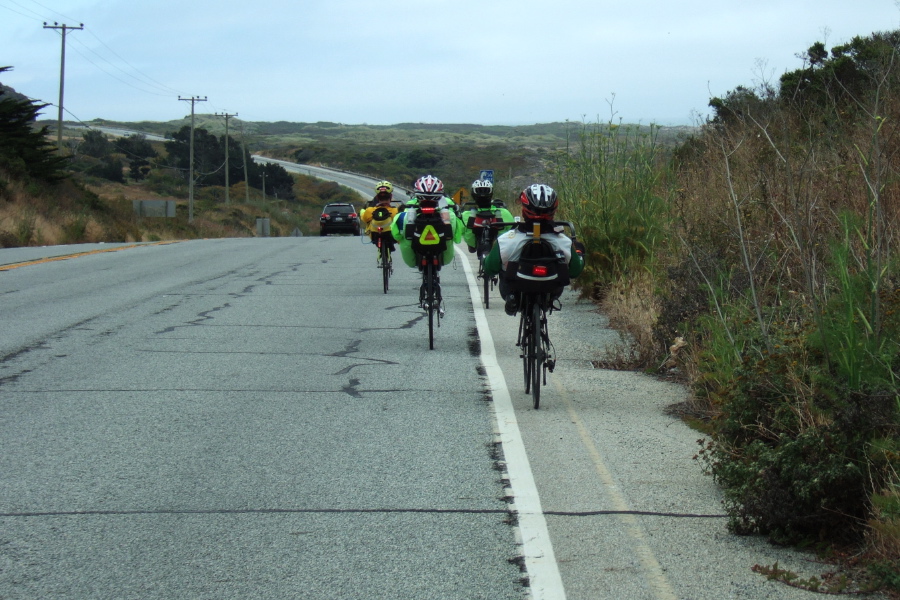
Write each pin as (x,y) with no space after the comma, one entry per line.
(482,189)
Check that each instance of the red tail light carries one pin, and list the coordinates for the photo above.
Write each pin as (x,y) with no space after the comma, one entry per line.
(353,215)
(427,210)
(539,271)
(325,216)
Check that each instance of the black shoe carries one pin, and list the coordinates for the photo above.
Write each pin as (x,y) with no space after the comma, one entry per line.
(512,305)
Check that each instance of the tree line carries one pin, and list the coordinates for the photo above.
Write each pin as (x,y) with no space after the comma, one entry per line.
(210,166)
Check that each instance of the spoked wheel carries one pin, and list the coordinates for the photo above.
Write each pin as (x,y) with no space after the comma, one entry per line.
(429,301)
(484,248)
(386,266)
(537,355)
(486,280)
(525,327)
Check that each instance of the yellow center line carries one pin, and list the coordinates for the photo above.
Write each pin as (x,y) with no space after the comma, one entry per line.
(78,254)
(656,578)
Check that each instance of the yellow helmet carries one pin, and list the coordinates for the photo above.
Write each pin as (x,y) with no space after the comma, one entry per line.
(384,186)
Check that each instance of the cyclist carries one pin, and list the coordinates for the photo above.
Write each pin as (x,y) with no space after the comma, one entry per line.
(380,213)
(383,189)
(483,193)
(428,192)
(539,204)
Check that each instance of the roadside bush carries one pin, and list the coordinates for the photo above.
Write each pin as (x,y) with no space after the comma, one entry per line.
(798,358)
(109,168)
(771,238)
(612,179)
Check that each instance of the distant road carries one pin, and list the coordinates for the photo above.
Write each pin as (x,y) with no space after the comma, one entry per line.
(121,132)
(359,183)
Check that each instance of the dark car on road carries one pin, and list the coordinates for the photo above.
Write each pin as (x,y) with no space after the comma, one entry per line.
(339,217)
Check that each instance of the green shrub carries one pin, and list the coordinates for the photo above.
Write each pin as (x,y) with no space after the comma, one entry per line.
(611,182)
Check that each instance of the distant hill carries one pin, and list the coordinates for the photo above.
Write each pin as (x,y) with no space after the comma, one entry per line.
(288,133)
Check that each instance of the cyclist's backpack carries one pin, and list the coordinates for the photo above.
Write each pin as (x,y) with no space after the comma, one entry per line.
(381,217)
(540,269)
(428,234)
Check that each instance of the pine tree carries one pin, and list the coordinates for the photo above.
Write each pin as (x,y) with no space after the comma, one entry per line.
(24,149)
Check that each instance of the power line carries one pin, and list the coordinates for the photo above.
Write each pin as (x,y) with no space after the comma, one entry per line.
(62,77)
(141,78)
(50,9)
(193,100)
(146,91)
(161,85)
(35,18)
(227,189)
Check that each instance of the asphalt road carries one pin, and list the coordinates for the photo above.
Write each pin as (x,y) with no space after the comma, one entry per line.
(359,183)
(254,418)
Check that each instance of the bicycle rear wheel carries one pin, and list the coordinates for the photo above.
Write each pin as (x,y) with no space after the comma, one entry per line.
(525,337)
(428,274)
(486,280)
(537,355)
(385,264)
(484,247)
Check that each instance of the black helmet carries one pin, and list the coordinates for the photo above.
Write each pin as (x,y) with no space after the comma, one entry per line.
(539,202)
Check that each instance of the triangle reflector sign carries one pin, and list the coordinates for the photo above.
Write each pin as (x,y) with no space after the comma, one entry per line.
(429,236)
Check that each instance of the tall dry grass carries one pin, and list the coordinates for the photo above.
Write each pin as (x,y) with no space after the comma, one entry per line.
(771,241)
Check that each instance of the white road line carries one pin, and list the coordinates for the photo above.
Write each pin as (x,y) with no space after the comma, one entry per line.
(537,549)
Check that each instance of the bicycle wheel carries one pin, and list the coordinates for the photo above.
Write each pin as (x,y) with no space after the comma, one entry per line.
(537,355)
(428,274)
(484,247)
(486,280)
(524,342)
(385,264)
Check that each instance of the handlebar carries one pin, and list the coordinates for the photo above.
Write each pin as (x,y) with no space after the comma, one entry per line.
(564,224)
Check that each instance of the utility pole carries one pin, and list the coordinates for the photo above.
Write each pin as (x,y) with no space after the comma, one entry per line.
(192,100)
(62,77)
(246,178)
(227,165)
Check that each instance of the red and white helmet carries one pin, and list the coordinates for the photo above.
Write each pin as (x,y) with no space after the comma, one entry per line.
(428,186)
(539,202)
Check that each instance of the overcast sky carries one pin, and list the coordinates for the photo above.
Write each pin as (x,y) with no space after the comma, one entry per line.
(507,62)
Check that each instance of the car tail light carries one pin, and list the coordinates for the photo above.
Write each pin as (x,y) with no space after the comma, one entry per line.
(325,216)
(539,271)
(353,215)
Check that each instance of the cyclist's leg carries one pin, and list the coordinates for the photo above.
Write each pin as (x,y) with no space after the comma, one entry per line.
(511,299)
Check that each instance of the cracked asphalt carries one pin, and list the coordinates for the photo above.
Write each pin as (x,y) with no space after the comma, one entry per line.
(254,418)
(243,419)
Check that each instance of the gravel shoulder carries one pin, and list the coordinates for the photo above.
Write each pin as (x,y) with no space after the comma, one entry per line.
(630,513)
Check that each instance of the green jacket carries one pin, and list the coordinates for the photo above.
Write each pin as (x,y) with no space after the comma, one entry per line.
(400,220)
(500,213)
